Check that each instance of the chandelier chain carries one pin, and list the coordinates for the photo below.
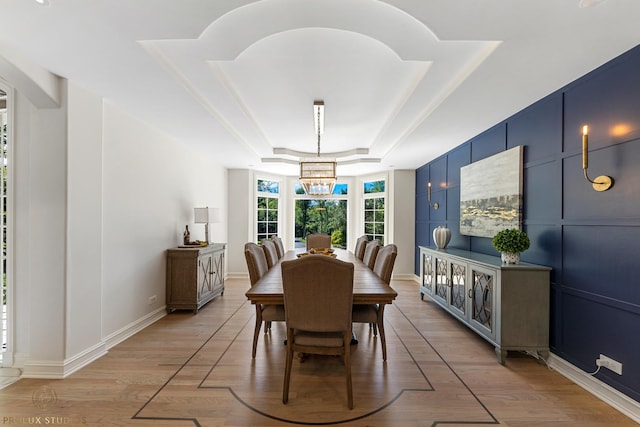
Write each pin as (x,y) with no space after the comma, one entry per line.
(318,121)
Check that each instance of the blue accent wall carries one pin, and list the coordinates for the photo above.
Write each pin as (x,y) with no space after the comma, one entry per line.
(590,239)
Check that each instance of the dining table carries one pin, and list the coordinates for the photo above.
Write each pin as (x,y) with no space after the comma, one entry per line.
(368,288)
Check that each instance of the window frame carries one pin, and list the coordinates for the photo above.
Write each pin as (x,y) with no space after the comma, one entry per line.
(278,209)
(371,196)
(6,351)
(333,197)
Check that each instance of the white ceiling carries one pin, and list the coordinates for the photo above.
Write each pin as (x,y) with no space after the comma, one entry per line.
(402,80)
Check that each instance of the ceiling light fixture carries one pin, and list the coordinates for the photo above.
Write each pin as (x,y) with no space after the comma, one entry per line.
(318,175)
(43,2)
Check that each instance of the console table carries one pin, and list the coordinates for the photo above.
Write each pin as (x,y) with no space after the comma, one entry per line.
(506,304)
(195,276)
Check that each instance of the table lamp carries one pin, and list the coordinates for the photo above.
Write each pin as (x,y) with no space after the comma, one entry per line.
(205,216)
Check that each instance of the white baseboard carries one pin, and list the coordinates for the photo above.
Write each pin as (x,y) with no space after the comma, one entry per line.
(134,327)
(601,390)
(237,276)
(405,276)
(82,359)
(53,369)
(9,376)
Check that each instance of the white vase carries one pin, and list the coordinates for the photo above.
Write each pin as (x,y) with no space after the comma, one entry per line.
(441,237)
(511,258)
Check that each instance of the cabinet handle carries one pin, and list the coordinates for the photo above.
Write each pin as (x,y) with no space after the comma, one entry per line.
(470,293)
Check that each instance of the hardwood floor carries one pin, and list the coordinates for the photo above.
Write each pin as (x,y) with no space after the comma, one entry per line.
(188,370)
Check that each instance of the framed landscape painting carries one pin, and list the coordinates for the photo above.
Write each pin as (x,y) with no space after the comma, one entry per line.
(491,194)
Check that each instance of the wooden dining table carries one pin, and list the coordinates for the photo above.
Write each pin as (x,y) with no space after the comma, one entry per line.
(368,288)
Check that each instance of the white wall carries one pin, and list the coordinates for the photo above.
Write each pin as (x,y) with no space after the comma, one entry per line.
(98,198)
(84,217)
(39,252)
(240,214)
(151,185)
(402,219)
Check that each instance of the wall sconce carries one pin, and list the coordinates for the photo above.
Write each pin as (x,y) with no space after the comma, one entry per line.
(205,216)
(435,205)
(602,182)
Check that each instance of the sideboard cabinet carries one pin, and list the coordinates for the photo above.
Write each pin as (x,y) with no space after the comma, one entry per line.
(506,304)
(195,276)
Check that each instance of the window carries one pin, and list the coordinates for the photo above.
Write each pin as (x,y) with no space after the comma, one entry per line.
(338,189)
(4,141)
(321,215)
(267,209)
(374,212)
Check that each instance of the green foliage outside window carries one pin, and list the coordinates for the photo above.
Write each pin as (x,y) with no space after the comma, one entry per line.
(267,217)
(374,210)
(374,187)
(267,213)
(322,216)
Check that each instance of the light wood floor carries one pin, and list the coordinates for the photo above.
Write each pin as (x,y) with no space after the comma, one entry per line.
(196,370)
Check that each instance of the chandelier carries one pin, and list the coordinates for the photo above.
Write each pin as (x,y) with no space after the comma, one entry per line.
(318,175)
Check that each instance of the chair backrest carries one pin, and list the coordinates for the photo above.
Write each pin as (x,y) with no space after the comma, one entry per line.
(270,252)
(370,252)
(318,241)
(385,259)
(318,293)
(279,245)
(361,243)
(256,261)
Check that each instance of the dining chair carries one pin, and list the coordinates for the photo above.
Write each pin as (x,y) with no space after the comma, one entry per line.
(318,300)
(270,252)
(257,266)
(368,313)
(370,252)
(318,241)
(279,245)
(361,243)
(385,260)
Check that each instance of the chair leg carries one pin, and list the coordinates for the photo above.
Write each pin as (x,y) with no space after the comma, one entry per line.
(383,339)
(256,330)
(267,326)
(347,368)
(287,368)
(375,329)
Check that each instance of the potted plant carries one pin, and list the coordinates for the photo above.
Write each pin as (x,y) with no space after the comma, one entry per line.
(510,243)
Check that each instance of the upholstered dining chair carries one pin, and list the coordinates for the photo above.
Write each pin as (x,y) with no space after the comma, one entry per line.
(368,313)
(370,253)
(385,260)
(257,266)
(318,299)
(361,243)
(270,252)
(318,241)
(279,245)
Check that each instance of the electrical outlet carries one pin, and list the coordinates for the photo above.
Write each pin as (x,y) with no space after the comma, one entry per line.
(152,299)
(609,363)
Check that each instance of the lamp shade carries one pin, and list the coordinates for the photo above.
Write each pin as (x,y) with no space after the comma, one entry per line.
(206,215)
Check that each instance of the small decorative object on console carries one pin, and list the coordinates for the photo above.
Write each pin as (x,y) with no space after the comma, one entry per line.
(441,237)
(186,236)
(510,243)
